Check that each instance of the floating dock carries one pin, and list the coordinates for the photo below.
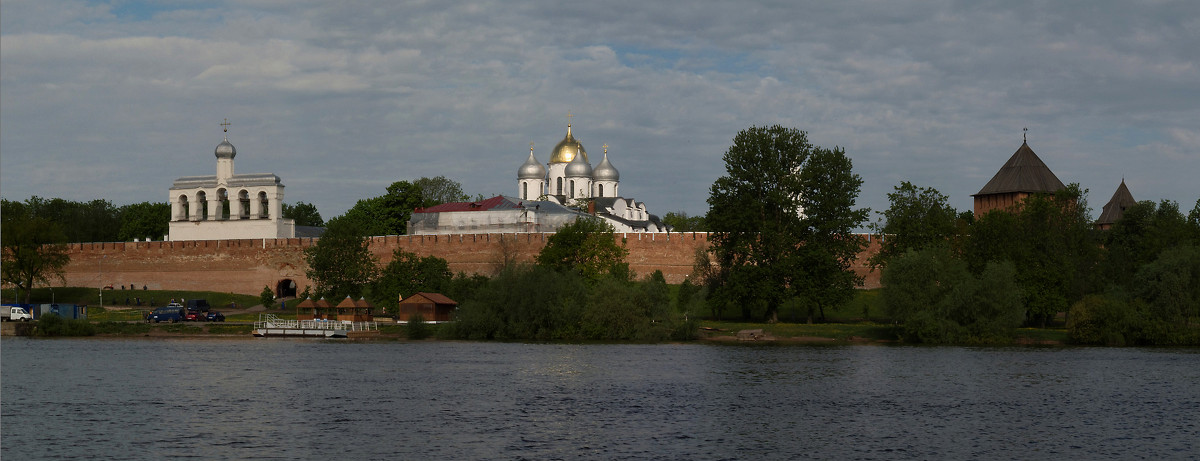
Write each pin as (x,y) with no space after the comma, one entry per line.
(270,325)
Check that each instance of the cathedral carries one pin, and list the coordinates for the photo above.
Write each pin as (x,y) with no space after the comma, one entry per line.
(549,196)
(570,176)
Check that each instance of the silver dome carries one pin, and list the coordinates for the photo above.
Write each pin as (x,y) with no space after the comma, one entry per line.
(531,169)
(605,170)
(578,167)
(225,150)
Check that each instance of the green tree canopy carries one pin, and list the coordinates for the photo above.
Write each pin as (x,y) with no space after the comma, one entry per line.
(94,221)
(681,222)
(917,218)
(783,217)
(1145,231)
(439,190)
(408,274)
(144,220)
(937,300)
(305,214)
(1050,240)
(340,263)
(587,246)
(388,214)
(33,250)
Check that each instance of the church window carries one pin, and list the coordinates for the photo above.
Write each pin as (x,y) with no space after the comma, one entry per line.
(600,189)
(559,186)
(525,191)
(572,188)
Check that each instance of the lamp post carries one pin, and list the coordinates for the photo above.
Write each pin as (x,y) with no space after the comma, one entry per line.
(100,262)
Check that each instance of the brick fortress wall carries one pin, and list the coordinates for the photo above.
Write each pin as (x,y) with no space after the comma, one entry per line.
(246,266)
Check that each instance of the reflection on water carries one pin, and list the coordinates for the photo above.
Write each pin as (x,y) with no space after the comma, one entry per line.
(273,398)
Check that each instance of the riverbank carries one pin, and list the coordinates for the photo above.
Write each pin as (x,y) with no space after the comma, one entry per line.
(709,332)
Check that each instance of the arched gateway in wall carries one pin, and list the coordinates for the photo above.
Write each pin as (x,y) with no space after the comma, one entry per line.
(286,288)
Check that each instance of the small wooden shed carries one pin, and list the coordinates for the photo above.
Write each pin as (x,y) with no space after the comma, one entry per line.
(433,307)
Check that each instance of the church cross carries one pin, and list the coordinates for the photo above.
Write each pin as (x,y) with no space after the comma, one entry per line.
(531,146)
(606,148)
(569,118)
(225,125)
(1025,135)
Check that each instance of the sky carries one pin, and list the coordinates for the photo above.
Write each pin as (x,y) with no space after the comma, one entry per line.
(115,100)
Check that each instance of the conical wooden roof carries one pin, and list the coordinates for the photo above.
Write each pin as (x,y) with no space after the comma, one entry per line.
(1023,172)
(362,302)
(1116,206)
(306,304)
(346,303)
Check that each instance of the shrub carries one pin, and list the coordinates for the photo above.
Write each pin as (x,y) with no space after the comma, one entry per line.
(540,303)
(54,325)
(417,328)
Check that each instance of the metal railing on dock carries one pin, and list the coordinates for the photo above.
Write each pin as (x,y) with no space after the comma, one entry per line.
(272,321)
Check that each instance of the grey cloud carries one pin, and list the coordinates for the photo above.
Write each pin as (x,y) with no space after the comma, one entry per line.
(340,99)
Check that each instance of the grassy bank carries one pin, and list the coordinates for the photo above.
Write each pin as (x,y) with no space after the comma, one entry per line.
(117,298)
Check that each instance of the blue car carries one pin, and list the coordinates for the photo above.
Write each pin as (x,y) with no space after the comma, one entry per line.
(214,316)
(169,313)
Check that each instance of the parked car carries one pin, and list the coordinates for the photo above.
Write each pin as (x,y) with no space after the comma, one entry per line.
(193,316)
(214,316)
(173,312)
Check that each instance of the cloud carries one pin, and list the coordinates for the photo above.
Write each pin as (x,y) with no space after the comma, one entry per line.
(341,99)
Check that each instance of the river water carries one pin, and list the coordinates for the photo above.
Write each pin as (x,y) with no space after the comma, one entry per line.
(310,399)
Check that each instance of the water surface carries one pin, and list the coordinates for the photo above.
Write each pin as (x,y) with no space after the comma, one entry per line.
(310,399)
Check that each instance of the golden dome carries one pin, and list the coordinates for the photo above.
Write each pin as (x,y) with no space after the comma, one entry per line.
(566,149)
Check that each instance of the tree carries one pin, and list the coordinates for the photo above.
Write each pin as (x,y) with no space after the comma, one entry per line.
(782,217)
(681,222)
(267,297)
(830,190)
(587,246)
(1050,240)
(1144,232)
(94,221)
(144,220)
(937,299)
(305,214)
(1170,286)
(33,250)
(387,214)
(439,190)
(340,263)
(917,218)
(408,274)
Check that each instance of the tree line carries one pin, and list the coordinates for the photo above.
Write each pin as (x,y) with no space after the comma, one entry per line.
(953,277)
(578,288)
